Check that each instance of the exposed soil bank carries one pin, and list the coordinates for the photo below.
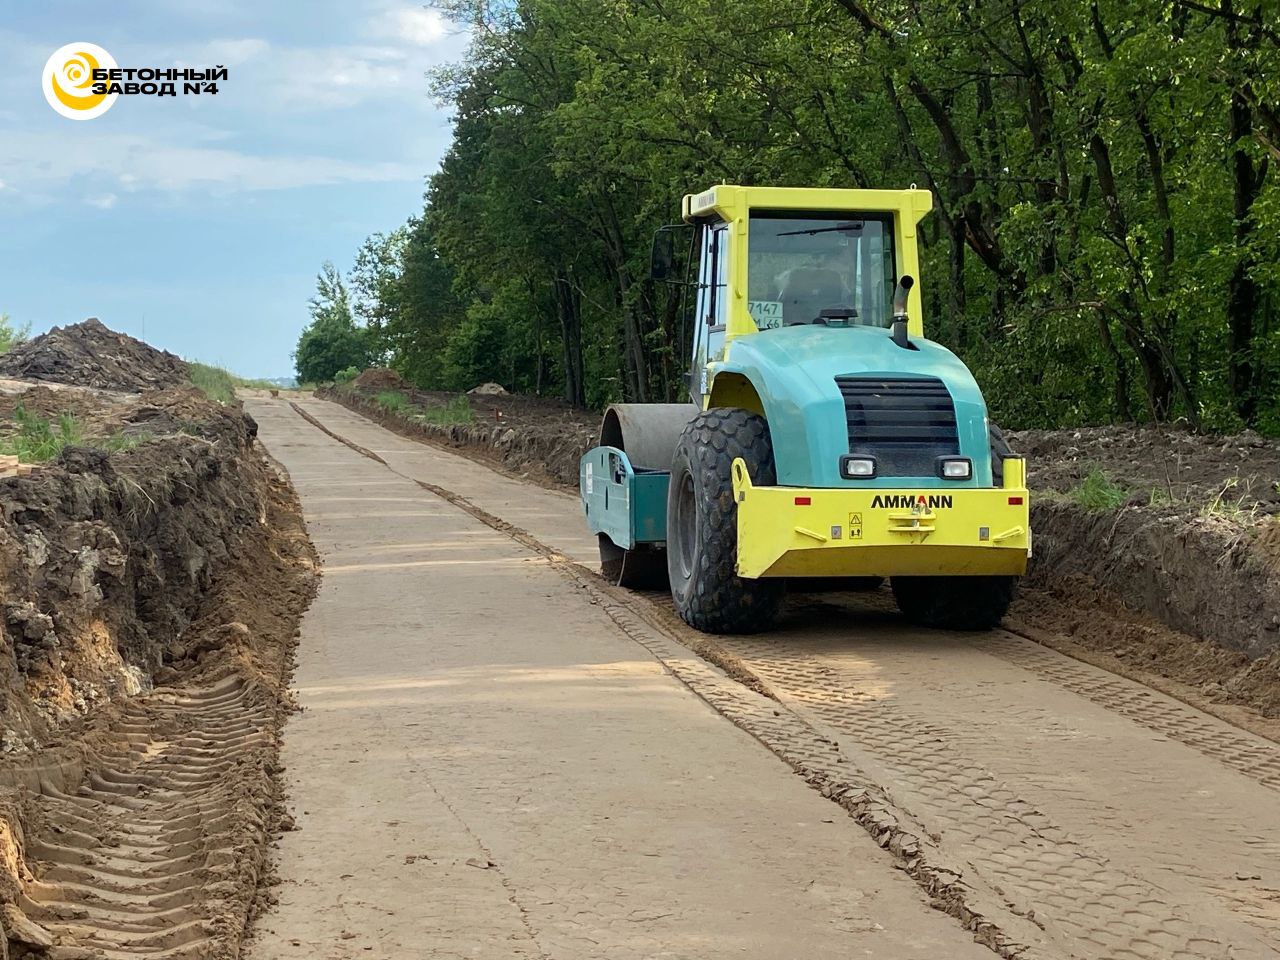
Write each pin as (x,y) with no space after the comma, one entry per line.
(540,438)
(1188,556)
(152,590)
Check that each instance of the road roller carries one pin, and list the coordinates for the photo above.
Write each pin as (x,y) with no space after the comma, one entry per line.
(826,438)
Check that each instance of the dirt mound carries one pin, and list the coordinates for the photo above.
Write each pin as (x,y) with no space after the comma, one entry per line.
(89,354)
(379,378)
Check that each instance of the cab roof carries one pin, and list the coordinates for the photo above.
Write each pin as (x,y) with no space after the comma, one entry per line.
(730,202)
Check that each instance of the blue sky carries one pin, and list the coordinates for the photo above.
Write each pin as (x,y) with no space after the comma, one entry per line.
(199,223)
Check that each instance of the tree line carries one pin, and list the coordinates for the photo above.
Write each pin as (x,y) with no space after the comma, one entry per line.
(1105,243)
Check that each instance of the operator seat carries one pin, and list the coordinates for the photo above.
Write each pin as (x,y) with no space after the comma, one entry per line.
(807,291)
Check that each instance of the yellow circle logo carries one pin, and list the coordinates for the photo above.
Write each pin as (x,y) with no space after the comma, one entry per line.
(68,81)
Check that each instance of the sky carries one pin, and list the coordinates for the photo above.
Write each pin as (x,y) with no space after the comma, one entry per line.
(198,223)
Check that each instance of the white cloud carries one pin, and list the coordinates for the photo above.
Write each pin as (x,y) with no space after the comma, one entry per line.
(412,25)
(338,76)
(231,53)
(137,163)
(103,201)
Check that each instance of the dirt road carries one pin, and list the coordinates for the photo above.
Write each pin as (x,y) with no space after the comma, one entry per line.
(487,765)
(1056,809)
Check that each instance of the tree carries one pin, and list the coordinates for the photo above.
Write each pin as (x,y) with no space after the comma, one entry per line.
(10,334)
(1106,233)
(332,341)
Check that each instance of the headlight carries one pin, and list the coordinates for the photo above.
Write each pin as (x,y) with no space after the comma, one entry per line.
(955,468)
(857,467)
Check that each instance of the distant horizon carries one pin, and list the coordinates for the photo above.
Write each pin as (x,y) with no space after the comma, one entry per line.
(199,223)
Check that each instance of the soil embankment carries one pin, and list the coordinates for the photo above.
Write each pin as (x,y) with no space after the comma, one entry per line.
(153,575)
(1155,548)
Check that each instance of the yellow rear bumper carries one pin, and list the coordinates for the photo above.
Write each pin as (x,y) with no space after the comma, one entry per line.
(796,532)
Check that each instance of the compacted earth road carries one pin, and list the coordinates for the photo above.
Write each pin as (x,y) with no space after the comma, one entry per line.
(499,755)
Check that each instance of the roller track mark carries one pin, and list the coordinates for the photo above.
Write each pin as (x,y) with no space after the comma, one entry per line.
(1074,893)
(1252,756)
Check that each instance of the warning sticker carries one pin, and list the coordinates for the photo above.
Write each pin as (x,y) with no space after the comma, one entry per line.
(855,526)
(590,479)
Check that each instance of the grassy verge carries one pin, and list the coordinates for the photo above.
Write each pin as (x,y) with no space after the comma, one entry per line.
(392,401)
(219,384)
(456,411)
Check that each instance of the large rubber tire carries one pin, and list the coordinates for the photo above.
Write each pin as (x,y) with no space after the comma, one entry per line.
(702,524)
(1000,449)
(954,603)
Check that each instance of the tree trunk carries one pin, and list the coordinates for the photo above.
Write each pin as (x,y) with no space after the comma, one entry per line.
(569,307)
(1242,291)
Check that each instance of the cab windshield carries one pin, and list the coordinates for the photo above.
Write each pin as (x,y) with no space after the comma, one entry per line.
(820,268)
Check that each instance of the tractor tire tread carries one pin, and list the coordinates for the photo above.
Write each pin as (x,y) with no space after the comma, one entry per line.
(954,603)
(719,601)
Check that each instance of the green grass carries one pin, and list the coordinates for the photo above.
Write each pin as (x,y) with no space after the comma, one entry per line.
(219,384)
(39,439)
(393,401)
(1097,491)
(456,411)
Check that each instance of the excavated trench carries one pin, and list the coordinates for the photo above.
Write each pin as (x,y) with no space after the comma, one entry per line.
(152,592)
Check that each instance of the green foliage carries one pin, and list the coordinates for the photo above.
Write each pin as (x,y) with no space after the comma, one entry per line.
(219,384)
(1230,503)
(216,383)
(346,376)
(37,438)
(1099,492)
(393,401)
(456,411)
(1106,227)
(10,334)
(127,441)
(332,342)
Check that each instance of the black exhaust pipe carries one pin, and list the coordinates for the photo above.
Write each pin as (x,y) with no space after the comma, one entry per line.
(899,329)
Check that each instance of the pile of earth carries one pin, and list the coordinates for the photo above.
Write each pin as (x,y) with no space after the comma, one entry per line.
(1179,574)
(89,354)
(377,379)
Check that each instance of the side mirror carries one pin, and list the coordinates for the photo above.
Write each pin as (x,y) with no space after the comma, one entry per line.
(663,265)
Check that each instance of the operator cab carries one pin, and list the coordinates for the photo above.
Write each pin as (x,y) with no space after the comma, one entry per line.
(820,268)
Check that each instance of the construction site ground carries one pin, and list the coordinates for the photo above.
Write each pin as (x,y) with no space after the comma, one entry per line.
(501,755)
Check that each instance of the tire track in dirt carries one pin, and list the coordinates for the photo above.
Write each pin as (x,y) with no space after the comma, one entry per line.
(150,856)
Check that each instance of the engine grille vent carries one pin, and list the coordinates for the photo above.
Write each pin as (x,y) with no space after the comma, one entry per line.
(905,423)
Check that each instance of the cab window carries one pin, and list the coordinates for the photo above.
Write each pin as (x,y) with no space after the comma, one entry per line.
(820,268)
